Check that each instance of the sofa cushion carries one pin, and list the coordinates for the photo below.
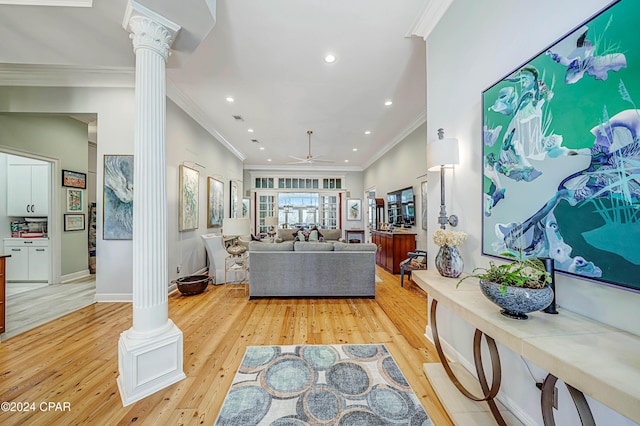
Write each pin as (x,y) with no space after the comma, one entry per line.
(338,246)
(332,234)
(312,246)
(284,235)
(263,246)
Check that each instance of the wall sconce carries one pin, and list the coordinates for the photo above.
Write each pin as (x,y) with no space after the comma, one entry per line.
(443,153)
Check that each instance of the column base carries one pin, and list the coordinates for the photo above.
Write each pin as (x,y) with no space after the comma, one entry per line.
(149,365)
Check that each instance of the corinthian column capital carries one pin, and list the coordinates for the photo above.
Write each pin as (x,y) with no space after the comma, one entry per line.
(147,34)
(149,30)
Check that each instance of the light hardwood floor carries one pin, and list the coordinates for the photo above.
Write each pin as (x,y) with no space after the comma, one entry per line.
(73,359)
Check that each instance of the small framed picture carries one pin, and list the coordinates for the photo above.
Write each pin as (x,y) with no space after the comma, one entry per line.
(74,222)
(74,200)
(74,179)
(354,209)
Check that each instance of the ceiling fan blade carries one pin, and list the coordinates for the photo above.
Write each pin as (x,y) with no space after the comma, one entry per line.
(297,158)
(316,160)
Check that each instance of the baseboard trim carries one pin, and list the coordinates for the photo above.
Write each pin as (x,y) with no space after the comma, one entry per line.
(114,297)
(74,276)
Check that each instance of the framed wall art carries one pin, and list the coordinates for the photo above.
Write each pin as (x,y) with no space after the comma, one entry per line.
(246,205)
(561,153)
(188,208)
(74,179)
(74,222)
(354,209)
(117,201)
(233,198)
(423,201)
(74,200)
(215,203)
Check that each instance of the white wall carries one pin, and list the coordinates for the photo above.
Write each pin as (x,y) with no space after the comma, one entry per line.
(403,166)
(186,140)
(189,142)
(475,44)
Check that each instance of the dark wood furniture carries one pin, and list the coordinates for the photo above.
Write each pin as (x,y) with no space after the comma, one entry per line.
(3,292)
(392,248)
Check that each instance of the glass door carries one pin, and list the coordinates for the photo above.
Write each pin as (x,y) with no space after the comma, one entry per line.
(266,207)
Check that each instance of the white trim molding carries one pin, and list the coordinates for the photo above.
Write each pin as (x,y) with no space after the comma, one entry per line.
(429,18)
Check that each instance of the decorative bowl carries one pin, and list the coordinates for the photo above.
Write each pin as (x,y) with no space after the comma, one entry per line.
(516,302)
(192,284)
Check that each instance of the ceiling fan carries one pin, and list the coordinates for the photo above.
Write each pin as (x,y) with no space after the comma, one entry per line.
(309,159)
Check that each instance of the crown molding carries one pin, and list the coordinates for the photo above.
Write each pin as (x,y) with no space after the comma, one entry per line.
(308,168)
(195,112)
(429,18)
(60,3)
(65,76)
(417,122)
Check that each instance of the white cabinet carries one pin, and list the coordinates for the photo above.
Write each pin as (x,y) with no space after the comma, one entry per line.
(27,187)
(29,259)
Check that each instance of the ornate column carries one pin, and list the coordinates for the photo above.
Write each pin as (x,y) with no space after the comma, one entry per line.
(150,352)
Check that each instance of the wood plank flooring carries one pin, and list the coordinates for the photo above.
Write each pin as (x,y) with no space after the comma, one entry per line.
(74,359)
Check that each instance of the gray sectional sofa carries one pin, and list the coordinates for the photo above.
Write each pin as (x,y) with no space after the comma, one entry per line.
(311,269)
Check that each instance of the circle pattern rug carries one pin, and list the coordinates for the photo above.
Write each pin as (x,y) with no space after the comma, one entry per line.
(320,385)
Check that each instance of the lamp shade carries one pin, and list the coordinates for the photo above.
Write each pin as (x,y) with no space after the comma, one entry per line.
(442,152)
(271,221)
(235,226)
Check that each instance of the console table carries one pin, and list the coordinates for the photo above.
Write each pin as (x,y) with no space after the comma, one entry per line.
(590,357)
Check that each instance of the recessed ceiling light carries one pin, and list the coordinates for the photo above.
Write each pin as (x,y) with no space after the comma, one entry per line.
(268,159)
(368,132)
(329,59)
(230,99)
(262,148)
(388,103)
(346,161)
(354,149)
(250,130)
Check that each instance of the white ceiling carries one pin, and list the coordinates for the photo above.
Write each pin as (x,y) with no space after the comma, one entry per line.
(268,55)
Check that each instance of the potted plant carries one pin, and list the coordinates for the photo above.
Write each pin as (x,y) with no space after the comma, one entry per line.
(518,287)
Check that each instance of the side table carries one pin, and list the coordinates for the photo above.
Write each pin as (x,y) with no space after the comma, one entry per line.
(236,265)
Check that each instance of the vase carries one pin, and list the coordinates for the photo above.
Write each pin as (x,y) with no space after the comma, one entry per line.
(449,262)
(516,302)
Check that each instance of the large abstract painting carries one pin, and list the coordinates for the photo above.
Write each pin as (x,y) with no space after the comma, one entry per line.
(117,219)
(561,153)
(188,212)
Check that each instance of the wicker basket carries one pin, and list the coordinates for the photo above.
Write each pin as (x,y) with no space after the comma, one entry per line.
(192,284)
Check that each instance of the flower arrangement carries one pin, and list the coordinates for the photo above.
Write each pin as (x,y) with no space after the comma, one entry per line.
(446,237)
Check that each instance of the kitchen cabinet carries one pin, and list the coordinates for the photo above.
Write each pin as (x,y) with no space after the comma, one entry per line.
(30,259)
(392,248)
(27,187)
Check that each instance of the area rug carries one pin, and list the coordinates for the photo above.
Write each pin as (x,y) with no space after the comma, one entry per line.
(320,385)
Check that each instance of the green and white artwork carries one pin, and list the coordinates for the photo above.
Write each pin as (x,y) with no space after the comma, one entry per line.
(188,212)
(561,153)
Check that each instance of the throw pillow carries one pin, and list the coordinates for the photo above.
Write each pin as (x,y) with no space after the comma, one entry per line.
(254,238)
(315,228)
(301,236)
(313,235)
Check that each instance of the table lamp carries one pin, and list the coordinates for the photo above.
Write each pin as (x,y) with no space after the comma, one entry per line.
(235,227)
